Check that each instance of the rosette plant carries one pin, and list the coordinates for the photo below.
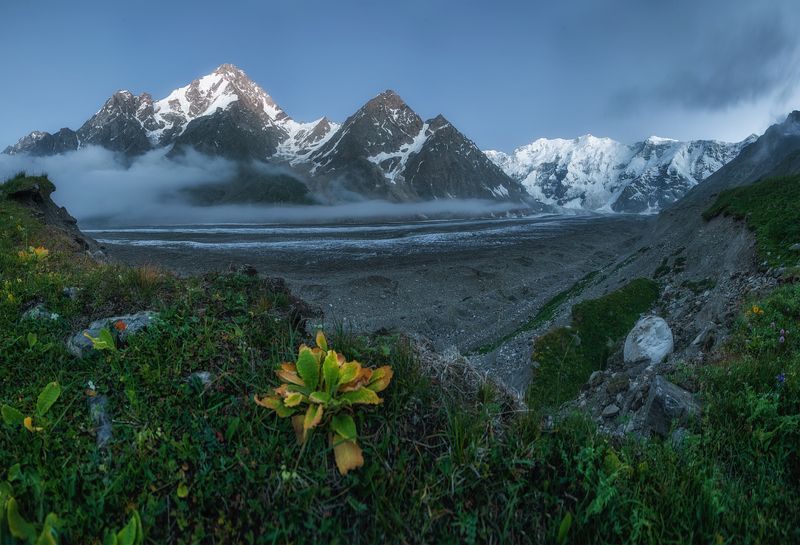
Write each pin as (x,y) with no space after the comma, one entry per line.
(321,389)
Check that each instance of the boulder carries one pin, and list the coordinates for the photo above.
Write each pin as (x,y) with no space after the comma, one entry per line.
(39,312)
(795,247)
(610,411)
(79,346)
(667,404)
(650,340)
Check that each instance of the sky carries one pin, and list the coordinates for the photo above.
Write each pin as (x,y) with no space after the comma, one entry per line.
(503,72)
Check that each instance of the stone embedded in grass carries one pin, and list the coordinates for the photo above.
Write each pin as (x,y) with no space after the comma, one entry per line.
(98,410)
(79,345)
(39,312)
(71,292)
(667,404)
(650,340)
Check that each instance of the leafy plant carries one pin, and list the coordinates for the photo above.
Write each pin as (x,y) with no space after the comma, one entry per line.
(320,389)
(47,397)
(13,524)
(103,341)
(33,254)
(131,533)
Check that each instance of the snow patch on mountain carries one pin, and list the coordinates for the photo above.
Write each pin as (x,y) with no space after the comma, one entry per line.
(393,163)
(605,175)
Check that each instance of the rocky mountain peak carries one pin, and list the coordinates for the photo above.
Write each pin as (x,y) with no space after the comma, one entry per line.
(792,124)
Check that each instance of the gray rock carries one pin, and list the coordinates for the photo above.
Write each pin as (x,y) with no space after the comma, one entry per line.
(619,383)
(707,338)
(79,346)
(98,410)
(650,340)
(795,247)
(39,312)
(71,293)
(201,377)
(595,378)
(610,411)
(667,404)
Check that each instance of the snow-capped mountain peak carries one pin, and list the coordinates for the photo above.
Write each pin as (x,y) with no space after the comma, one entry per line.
(204,96)
(603,174)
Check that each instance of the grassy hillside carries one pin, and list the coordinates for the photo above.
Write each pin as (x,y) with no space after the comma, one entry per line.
(202,463)
(771,208)
(567,356)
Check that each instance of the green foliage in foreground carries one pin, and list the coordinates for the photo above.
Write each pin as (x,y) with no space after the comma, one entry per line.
(771,208)
(201,463)
(566,356)
(22,181)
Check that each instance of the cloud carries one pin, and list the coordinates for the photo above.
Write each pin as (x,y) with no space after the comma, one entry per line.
(99,189)
(741,61)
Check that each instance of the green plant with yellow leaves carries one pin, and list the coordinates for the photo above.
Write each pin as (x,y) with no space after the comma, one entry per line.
(321,389)
(38,253)
(47,397)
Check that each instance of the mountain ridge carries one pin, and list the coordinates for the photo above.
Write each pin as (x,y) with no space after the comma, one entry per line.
(226,114)
(386,150)
(603,174)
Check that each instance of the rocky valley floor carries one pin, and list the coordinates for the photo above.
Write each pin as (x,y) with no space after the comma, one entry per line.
(463,285)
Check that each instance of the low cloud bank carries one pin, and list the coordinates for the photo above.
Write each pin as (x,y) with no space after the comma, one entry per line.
(99,189)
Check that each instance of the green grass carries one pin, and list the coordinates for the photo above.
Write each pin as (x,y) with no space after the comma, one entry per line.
(771,209)
(546,313)
(23,181)
(441,466)
(568,355)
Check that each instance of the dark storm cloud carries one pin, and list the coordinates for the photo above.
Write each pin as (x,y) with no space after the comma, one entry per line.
(742,62)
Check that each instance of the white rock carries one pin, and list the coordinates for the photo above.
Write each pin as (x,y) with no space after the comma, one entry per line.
(650,340)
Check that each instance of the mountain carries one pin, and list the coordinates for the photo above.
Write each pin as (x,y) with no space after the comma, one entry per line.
(384,150)
(603,174)
(218,114)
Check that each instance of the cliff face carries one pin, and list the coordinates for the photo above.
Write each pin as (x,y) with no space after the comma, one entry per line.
(34,193)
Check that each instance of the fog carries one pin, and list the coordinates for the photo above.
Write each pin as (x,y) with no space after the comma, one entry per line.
(99,188)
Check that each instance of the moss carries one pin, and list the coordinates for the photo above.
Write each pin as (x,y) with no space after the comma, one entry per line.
(566,356)
(22,182)
(663,269)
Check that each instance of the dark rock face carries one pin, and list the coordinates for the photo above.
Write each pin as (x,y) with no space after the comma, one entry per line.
(775,153)
(236,133)
(451,165)
(39,143)
(386,151)
(251,185)
(121,124)
(35,194)
(382,125)
(668,405)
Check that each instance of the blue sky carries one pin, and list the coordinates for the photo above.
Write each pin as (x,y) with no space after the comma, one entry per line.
(503,72)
